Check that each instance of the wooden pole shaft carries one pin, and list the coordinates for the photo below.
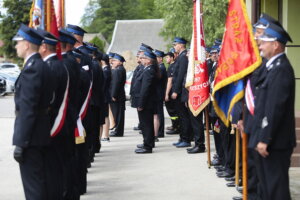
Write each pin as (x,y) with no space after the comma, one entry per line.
(245,172)
(48,15)
(237,157)
(207,138)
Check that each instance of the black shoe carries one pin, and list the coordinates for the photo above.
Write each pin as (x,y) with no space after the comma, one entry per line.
(224,175)
(230,179)
(105,139)
(136,128)
(143,151)
(140,132)
(160,136)
(218,166)
(141,146)
(156,139)
(190,149)
(196,150)
(230,184)
(215,162)
(114,134)
(172,132)
(237,198)
(221,169)
(169,128)
(240,189)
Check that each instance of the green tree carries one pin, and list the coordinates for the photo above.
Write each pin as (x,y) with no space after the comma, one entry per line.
(17,12)
(108,11)
(178,18)
(99,43)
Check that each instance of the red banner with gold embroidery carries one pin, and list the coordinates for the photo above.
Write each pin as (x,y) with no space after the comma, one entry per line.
(239,57)
(197,75)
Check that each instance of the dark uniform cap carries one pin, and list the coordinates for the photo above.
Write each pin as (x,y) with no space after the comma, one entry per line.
(105,58)
(170,54)
(90,47)
(150,54)
(77,53)
(159,53)
(208,49)
(179,40)
(66,37)
(111,54)
(29,34)
(276,33)
(119,57)
(145,47)
(75,30)
(172,50)
(218,42)
(215,49)
(49,38)
(265,20)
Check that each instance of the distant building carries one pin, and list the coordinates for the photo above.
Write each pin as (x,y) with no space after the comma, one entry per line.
(129,34)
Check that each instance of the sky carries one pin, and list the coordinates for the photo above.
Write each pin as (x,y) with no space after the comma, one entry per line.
(75,10)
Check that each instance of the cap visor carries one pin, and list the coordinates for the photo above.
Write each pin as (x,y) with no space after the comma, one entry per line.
(18,38)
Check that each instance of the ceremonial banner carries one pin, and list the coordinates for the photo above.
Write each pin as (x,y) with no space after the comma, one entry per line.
(60,12)
(197,74)
(239,57)
(37,14)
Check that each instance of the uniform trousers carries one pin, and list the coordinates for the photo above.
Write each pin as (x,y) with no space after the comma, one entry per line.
(198,129)
(184,118)
(54,161)
(118,111)
(228,146)
(33,173)
(273,174)
(161,116)
(146,120)
(252,176)
(95,111)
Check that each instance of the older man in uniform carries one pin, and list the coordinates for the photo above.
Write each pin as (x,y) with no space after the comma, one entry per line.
(118,94)
(274,130)
(32,125)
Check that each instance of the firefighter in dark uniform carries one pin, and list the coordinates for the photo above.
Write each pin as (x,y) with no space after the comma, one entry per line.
(161,89)
(118,94)
(274,131)
(97,100)
(177,86)
(104,133)
(169,102)
(32,127)
(71,184)
(137,71)
(55,157)
(145,90)
(81,150)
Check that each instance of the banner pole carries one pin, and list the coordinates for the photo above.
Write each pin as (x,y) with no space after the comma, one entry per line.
(237,157)
(245,167)
(207,137)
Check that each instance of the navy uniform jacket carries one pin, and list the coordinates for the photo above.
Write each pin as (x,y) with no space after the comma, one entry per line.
(106,83)
(74,77)
(33,94)
(145,88)
(61,77)
(162,82)
(180,72)
(97,98)
(118,83)
(138,70)
(274,106)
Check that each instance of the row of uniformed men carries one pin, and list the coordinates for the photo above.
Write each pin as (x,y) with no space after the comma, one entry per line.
(269,119)
(152,85)
(60,105)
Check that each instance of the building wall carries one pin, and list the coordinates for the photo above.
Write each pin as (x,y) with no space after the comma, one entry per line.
(290,10)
